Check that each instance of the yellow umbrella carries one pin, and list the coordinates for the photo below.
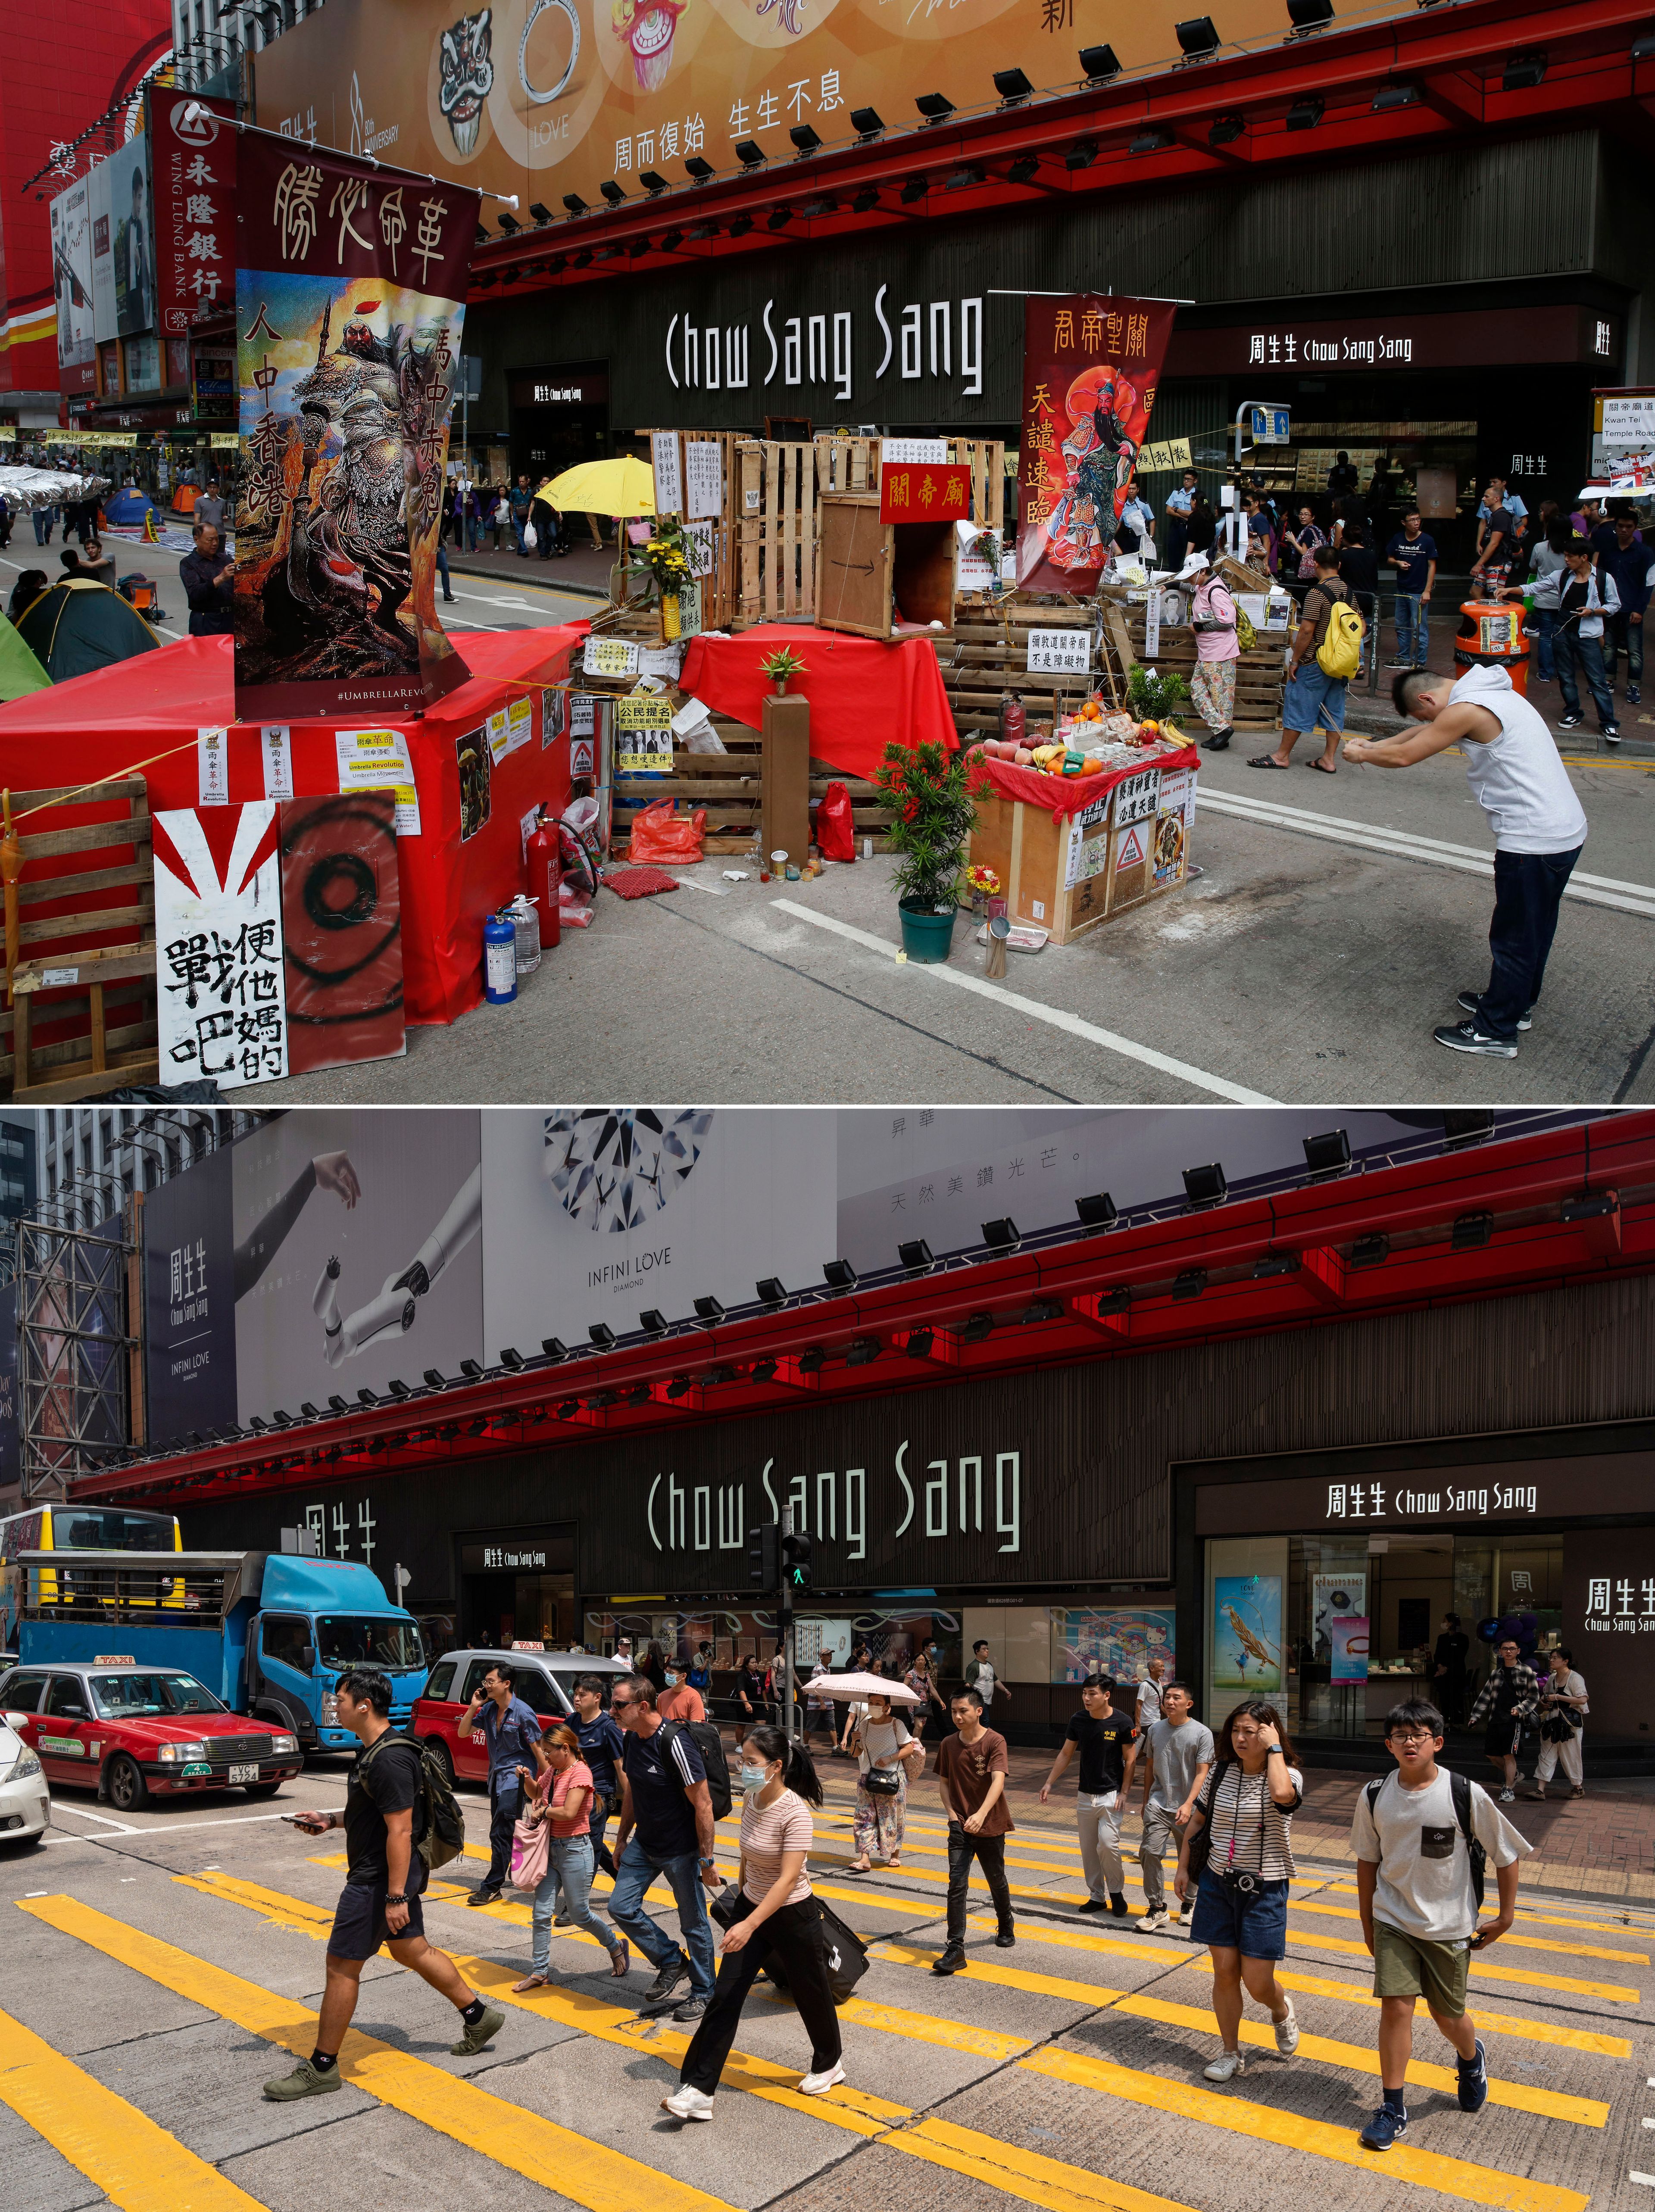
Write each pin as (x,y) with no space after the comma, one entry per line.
(619,487)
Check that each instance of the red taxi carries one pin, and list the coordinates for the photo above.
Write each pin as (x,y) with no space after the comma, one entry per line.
(133,1732)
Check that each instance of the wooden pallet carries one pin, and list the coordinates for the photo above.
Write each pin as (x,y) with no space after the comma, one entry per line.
(65,973)
(731,787)
(850,462)
(777,525)
(988,654)
(1260,678)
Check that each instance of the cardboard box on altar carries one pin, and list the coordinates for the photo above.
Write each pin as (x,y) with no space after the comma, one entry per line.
(1069,873)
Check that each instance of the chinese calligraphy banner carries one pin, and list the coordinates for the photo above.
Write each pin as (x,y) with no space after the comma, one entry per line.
(222,1007)
(350,286)
(1090,367)
(192,175)
(922,492)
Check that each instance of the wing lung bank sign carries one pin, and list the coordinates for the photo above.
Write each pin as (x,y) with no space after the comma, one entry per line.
(565,93)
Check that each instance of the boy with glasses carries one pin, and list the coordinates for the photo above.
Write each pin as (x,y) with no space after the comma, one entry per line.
(1421,1838)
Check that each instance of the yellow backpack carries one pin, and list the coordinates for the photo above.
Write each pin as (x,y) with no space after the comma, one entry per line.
(1340,653)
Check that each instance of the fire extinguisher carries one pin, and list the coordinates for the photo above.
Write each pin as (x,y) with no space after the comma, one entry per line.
(545,874)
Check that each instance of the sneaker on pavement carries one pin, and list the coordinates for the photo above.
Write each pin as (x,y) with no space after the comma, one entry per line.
(1508,1796)
(303,2081)
(1095,1904)
(1153,1921)
(1117,1904)
(1474,2080)
(1611,733)
(483,1896)
(667,1979)
(1470,1036)
(1287,2033)
(562,1920)
(1468,1002)
(1226,2066)
(475,2038)
(688,2104)
(1570,721)
(691,2009)
(1386,2127)
(950,1961)
(818,2085)
(1635,695)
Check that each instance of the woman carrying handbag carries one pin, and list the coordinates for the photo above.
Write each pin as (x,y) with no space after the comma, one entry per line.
(551,1850)
(772,1913)
(884,1748)
(923,1683)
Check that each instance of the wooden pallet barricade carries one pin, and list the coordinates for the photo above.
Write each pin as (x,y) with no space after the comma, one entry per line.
(988,654)
(777,525)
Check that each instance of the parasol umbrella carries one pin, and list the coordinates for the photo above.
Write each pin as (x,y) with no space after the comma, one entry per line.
(619,487)
(861,1685)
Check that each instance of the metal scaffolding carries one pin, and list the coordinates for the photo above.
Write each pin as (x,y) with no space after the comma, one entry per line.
(73,1348)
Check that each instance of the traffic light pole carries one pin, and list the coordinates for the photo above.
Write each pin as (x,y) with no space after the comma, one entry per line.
(785,1617)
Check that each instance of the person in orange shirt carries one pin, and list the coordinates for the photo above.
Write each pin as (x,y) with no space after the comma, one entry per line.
(677,1701)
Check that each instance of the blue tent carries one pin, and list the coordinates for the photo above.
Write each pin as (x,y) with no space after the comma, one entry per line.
(127,509)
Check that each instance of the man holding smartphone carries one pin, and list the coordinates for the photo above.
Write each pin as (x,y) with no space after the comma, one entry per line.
(380,1902)
(511,1732)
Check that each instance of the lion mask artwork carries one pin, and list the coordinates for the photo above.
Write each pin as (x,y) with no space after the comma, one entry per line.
(466,74)
(1107,421)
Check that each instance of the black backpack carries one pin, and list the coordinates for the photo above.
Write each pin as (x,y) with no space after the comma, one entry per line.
(1460,1791)
(705,1737)
(439,1824)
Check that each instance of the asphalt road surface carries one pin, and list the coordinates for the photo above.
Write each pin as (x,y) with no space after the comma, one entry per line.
(1332,924)
(136,2032)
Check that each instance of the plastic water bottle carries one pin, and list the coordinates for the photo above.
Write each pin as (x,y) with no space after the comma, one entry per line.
(499,961)
(526,923)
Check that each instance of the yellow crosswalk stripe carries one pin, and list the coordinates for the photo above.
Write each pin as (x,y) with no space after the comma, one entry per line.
(1023,2176)
(1518,1936)
(1449,2176)
(119,2149)
(1093,1995)
(1525,1912)
(1612,1992)
(588,2173)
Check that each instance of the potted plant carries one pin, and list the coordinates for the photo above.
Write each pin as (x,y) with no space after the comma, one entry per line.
(781,664)
(1152,697)
(667,559)
(931,817)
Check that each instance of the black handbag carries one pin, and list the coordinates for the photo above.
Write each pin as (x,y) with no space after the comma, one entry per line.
(882,1782)
(843,1953)
(725,1906)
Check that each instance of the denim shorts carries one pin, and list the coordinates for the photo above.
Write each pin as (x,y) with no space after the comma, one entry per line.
(1313,696)
(1255,1926)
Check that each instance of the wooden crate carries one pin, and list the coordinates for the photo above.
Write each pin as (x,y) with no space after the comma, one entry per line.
(721,592)
(988,654)
(64,972)
(850,462)
(1071,874)
(777,528)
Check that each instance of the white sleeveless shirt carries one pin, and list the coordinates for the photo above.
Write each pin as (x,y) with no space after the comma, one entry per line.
(1517,779)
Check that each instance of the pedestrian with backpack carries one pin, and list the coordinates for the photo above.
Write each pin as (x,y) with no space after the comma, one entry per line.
(665,1827)
(391,1836)
(1327,651)
(1421,1839)
(1216,620)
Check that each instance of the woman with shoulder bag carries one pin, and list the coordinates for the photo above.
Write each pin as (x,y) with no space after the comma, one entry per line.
(1563,1709)
(561,1807)
(773,1913)
(920,1679)
(1236,1851)
(884,1748)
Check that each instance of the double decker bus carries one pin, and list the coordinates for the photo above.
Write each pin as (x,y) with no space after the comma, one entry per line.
(69,1527)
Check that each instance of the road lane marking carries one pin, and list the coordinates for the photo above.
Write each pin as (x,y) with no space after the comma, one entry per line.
(1514,1935)
(1057,1018)
(1613,1992)
(1271,2124)
(1095,1996)
(119,2149)
(121,1828)
(1023,2176)
(588,2171)
(1404,845)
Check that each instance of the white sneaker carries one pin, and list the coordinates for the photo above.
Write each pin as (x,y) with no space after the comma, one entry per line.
(1153,1921)
(1508,1796)
(1287,2033)
(688,2104)
(818,2085)
(1226,2065)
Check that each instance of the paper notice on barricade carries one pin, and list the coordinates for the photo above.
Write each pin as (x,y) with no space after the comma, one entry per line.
(213,767)
(378,760)
(519,717)
(276,745)
(499,735)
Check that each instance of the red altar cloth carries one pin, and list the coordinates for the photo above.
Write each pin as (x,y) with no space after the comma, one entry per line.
(863,695)
(1063,795)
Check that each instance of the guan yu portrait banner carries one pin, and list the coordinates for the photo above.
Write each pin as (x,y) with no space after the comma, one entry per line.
(348,287)
(1090,367)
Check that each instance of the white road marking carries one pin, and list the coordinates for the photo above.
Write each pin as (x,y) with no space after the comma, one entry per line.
(1404,845)
(1057,1017)
(690,883)
(1646,2180)
(121,1828)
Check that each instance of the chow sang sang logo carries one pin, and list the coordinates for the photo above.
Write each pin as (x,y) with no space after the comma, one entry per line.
(980,1494)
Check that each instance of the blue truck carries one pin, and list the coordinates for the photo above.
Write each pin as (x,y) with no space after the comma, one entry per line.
(268,1632)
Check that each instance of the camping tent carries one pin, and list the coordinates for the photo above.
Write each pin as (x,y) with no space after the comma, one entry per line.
(126,509)
(20,672)
(77,625)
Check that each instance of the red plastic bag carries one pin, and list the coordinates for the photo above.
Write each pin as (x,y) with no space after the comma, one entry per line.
(835,832)
(660,833)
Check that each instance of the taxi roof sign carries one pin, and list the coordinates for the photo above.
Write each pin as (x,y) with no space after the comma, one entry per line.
(114,1659)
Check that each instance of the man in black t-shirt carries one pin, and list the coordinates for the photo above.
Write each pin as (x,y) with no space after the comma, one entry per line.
(384,1877)
(1108,1743)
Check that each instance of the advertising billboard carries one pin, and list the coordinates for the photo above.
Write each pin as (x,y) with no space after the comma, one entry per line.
(543,97)
(71,276)
(189,1302)
(192,171)
(131,236)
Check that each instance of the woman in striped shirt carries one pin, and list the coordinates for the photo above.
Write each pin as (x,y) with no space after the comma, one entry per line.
(1241,1901)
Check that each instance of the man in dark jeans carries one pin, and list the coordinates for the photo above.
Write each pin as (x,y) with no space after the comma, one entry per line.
(971,1770)
(665,1827)
(383,1816)
(208,576)
(601,1744)
(510,1731)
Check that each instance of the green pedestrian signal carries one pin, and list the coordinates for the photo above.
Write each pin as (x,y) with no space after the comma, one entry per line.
(796,1560)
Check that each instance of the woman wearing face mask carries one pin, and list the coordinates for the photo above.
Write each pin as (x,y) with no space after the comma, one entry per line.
(777,1914)
(921,1678)
(884,1746)
(562,1794)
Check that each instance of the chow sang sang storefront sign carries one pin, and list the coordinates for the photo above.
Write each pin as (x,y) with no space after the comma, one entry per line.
(943,338)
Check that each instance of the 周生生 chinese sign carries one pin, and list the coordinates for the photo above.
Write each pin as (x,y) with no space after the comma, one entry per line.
(349,285)
(1090,369)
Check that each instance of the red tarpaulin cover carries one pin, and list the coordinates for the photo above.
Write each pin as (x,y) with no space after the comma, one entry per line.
(101,724)
(1063,795)
(863,695)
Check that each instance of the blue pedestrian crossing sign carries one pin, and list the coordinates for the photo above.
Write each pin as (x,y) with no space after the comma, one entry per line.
(1270,426)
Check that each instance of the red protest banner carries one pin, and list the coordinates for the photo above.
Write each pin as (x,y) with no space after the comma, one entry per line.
(349,285)
(1090,367)
(192,176)
(924,491)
